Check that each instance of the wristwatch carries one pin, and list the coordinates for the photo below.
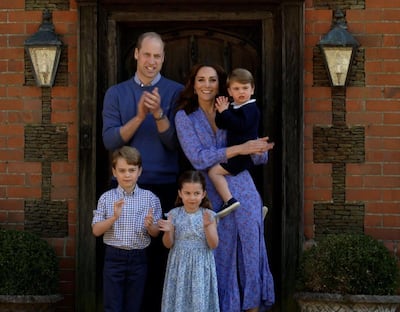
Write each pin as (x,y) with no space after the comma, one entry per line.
(161,116)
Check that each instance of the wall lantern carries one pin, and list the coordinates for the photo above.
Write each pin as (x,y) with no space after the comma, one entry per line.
(338,48)
(44,49)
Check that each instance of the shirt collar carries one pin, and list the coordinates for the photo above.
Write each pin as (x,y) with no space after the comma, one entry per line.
(122,192)
(236,106)
(152,83)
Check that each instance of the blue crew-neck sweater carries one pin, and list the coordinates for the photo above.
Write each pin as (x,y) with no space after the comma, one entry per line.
(159,150)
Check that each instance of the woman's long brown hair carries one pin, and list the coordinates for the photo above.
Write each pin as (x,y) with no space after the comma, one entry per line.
(188,100)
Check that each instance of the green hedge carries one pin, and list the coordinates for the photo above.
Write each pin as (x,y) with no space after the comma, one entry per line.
(348,264)
(28,264)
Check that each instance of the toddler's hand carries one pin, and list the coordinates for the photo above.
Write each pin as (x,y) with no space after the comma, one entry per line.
(221,103)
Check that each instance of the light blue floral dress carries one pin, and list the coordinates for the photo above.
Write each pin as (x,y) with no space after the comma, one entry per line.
(191,280)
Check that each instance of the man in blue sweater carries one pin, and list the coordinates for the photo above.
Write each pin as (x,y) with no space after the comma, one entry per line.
(140,112)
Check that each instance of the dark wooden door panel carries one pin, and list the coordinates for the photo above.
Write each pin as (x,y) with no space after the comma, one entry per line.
(187,47)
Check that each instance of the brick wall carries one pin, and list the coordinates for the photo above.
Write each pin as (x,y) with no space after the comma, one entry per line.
(368,183)
(38,135)
(366,186)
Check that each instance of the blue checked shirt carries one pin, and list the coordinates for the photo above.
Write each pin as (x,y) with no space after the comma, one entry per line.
(128,231)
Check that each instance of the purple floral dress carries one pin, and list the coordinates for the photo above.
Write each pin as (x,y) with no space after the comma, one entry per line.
(244,278)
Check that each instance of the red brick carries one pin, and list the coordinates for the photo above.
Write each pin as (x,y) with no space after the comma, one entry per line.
(370,40)
(34,180)
(391,194)
(391,221)
(24,16)
(318,118)
(16,91)
(382,182)
(364,118)
(11,104)
(363,194)
(15,66)
(354,181)
(391,143)
(363,93)
(15,142)
(373,221)
(61,193)
(13,129)
(382,80)
(11,204)
(11,78)
(379,4)
(382,156)
(379,208)
(12,4)
(383,233)
(12,154)
(374,66)
(319,194)
(64,117)
(392,66)
(27,192)
(382,105)
(363,169)
(391,40)
(381,53)
(382,130)
(12,28)
(24,117)
(16,217)
(391,169)
(392,93)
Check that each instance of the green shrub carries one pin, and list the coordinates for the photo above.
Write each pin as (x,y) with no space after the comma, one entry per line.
(348,264)
(28,264)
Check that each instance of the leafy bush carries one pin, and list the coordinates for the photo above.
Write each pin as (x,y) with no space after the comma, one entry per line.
(28,264)
(348,264)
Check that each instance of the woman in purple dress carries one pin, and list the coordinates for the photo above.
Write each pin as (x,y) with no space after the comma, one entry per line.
(245,282)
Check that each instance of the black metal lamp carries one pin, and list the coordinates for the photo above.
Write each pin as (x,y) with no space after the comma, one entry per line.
(338,48)
(44,49)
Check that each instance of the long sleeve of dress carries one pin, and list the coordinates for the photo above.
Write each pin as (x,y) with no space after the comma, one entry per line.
(201,146)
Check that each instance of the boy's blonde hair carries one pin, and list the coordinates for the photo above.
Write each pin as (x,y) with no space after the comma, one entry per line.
(129,153)
(240,75)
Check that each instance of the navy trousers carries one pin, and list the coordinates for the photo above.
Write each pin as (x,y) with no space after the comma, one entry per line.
(124,277)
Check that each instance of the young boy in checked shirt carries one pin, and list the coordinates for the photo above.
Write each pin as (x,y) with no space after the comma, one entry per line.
(127,216)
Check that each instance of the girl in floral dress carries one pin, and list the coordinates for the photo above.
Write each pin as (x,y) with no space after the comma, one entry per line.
(191,234)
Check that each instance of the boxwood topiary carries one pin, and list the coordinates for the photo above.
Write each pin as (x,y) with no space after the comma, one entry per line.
(28,264)
(348,264)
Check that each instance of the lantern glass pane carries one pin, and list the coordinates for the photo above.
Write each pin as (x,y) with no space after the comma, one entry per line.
(338,62)
(43,60)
